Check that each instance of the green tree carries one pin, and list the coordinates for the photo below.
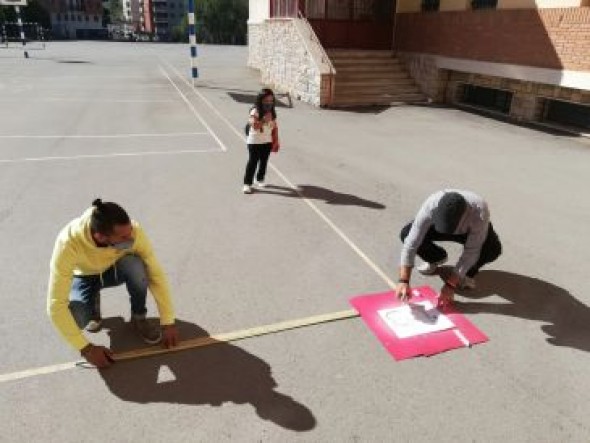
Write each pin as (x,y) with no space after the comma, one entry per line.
(180,32)
(222,21)
(7,14)
(115,8)
(106,16)
(34,12)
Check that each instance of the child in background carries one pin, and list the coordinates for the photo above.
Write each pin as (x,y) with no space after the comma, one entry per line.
(262,138)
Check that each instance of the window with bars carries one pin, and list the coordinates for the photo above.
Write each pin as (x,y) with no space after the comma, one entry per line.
(354,10)
(484,4)
(374,10)
(315,8)
(487,98)
(568,114)
(339,10)
(430,5)
(284,8)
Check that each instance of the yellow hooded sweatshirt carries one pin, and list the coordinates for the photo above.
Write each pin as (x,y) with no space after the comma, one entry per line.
(76,254)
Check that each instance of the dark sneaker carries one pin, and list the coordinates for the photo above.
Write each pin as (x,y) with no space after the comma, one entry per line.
(148,332)
(95,322)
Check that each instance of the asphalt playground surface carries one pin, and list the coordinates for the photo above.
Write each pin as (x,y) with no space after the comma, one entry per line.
(120,121)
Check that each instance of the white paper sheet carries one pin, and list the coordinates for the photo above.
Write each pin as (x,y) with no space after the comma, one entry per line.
(415,319)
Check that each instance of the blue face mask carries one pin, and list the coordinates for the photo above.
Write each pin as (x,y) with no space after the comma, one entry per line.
(267,107)
(121,246)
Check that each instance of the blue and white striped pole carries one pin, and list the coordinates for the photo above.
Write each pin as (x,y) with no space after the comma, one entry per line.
(192,39)
(21,29)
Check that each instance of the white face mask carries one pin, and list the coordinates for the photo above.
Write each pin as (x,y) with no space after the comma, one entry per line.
(121,246)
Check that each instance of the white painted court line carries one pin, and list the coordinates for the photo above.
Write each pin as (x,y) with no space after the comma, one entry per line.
(337,230)
(13,376)
(103,87)
(101,156)
(192,343)
(169,134)
(314,207)
(84,77)
(64,366)
(78,100)
(194,111)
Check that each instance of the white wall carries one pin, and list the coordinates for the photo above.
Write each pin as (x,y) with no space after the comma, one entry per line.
(464,5)
(541,4)
(565,79)
(259,11)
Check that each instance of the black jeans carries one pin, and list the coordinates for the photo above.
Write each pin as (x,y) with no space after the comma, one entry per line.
(258,157)
(431,253)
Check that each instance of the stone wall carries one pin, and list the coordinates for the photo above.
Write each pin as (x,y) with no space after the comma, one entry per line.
(277,49)
(430,79)
(528,98)
(445,86)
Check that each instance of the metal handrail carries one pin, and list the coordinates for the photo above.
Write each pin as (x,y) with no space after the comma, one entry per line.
(314,38)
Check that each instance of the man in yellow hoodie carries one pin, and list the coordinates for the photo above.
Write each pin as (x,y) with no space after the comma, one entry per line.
(101,249)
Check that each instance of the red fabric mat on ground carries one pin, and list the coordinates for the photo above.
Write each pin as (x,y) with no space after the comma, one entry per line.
(463,334)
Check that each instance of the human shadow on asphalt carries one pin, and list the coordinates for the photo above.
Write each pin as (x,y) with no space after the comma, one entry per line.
(533,299)
(319,193)
(210,375)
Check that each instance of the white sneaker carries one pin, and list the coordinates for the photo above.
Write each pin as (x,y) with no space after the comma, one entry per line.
(468,283)
(426,268)
(247,189)
(261,184)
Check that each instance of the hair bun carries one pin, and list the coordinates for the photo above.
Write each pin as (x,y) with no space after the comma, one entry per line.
(97,203)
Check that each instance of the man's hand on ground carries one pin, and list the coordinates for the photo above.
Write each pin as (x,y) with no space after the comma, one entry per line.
(403,292)
(98,356)
(169,336)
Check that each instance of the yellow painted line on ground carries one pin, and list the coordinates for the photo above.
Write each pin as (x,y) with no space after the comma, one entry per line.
(190,343)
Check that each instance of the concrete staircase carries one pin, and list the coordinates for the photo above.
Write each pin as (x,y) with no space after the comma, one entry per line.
(365,78)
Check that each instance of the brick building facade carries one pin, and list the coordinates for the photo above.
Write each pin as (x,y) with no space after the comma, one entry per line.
(76,18)
(527,59)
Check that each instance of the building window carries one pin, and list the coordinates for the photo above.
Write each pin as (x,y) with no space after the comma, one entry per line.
(487,98)
(284,8)
(315,8)
(566,113)
(484,4)
(87,18)
(339,10)
(430,5)
(96,18)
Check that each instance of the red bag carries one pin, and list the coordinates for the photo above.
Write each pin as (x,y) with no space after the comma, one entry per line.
(276,145)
